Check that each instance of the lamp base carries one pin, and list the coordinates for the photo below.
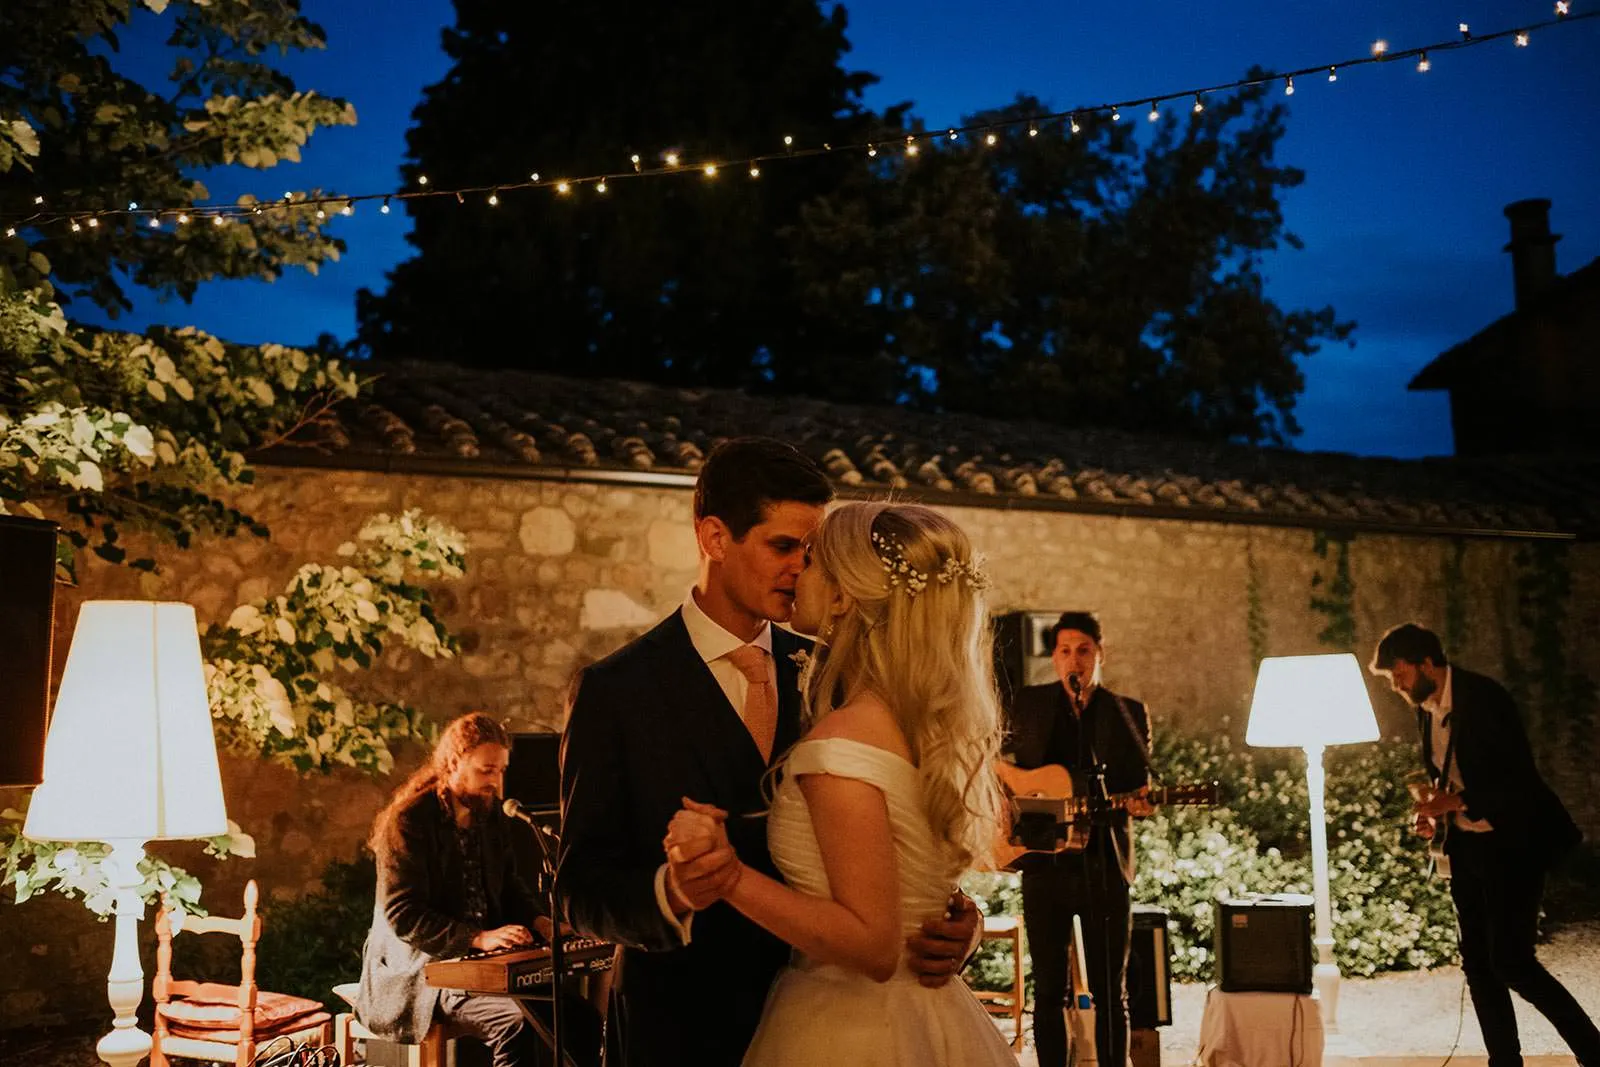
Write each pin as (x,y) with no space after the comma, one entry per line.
(1325,979)
(126,1044)
(124,1047)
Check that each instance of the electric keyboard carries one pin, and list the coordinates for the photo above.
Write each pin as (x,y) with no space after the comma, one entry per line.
(519,972)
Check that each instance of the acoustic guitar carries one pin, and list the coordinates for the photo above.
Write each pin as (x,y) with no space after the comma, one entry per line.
(1435,828)
(1043,797)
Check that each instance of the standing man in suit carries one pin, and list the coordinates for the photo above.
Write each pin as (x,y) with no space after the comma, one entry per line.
(1080,725)
(701,706)
(448,885)
(1504,828)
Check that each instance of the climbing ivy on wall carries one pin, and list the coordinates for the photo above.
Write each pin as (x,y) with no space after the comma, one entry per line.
(1255,615)
(1334,597)
(1557,701)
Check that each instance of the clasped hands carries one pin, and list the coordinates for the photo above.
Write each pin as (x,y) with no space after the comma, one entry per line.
(702,867)
(1431,806)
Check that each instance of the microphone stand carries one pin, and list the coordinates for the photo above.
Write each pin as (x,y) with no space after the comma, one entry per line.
(547,878)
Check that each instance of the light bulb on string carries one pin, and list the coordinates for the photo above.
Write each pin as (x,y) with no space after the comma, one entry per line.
(1199,106)
(755,172)
(911,148)
(321,214)
(94,223)
(1033,131)
(1466,31)
(563,188)
(218,220)
(133,205)
(1288,87)
(953,135)
(348,209)
(1522,40)
(535,175)
(1563,8)
(1116,115)
(600,186)
(385,207)
(1333,74)
(459,201)
(1155,112)
(75,226)
(634,159)
(155,222)
(990,139)
(422,179)
(1073,121)
(788,142)
(182,218)
(710,170)
(494,198)
(872,151)
(38,200)
(11,231)
(1379,47)
(1423,65)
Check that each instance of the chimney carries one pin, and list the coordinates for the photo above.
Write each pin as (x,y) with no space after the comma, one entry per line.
(1532,248)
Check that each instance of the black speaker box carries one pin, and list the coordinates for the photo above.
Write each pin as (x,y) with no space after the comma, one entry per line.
(1022,651)
(27,623)
(1149,969)
(1264,944)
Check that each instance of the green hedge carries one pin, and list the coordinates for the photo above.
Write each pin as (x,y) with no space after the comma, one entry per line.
(1388,914)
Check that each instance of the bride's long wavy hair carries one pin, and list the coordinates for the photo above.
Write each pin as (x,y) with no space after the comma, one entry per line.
(925,651)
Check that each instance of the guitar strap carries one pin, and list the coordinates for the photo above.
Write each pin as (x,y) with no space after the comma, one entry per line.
(1138,738)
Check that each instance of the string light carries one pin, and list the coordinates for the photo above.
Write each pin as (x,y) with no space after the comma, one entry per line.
(94,224)
(1288,87)
(563,188)
(711,170)
(76,227)
(600,186)
(459,200)
(11,231)
(422,186)
(755,172)
(494,198)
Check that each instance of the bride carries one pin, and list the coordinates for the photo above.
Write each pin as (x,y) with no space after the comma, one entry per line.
(883,804)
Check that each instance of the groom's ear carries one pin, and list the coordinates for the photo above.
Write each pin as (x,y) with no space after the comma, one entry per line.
(713,537)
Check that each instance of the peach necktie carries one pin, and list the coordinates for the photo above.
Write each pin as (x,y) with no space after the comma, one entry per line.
(760,700)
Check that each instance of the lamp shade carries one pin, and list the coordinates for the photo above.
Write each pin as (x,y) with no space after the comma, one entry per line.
(1308,700)
(130,754)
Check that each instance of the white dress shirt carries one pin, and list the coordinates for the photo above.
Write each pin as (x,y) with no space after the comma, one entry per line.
(1438,707)
(713,643)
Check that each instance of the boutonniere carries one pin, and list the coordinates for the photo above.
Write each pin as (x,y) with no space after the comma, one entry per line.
(801,659)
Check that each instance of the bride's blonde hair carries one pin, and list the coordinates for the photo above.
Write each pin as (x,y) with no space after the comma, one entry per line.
(916,634)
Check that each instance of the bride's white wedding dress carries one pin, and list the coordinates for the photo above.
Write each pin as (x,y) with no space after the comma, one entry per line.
(831,1016)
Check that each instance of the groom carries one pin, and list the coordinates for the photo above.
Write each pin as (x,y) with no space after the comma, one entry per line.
(701,706)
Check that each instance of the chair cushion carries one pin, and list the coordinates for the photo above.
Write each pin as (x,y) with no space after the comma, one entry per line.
(210,1012)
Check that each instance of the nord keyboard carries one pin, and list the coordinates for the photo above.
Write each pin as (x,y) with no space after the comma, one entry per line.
(523,971)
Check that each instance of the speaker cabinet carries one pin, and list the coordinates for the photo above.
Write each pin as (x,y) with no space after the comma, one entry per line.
(1022,651)
(1264,944)
(1149,969)
(27,623)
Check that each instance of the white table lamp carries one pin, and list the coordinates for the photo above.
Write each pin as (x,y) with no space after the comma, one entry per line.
(129,758)
(1311,702)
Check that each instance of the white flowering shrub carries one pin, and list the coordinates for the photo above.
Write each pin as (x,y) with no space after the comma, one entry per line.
(1388,913)
(272,669)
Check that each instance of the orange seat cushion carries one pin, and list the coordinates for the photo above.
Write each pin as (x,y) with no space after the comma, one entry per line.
(210,1012)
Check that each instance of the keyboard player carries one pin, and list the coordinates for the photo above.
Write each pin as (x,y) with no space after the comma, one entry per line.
(448,885)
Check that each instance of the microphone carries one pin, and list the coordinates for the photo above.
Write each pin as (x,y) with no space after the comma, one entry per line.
(1072,684)
(513,807)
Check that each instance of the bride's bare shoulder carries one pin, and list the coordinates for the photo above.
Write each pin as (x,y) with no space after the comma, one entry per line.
(866,719)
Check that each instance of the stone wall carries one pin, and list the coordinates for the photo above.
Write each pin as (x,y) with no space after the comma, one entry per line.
(561,573)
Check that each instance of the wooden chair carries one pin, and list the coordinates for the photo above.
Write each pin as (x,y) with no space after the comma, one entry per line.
(1006,1002)
(436,1050)
(233,1025)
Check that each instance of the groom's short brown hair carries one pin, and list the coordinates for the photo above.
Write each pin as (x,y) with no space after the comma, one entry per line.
(745,475)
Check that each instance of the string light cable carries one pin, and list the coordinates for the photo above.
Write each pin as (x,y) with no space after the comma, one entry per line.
(88,222)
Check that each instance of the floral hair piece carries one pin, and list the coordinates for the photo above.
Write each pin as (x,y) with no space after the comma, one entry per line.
(901,574)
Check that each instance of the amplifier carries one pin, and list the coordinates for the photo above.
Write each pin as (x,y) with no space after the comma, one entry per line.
(1264,944)
(1149,969)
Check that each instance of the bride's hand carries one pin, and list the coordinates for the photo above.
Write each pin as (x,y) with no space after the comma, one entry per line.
(694,831)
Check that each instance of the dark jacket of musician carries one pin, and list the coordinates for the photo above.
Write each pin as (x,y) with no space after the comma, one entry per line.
(1043,729)
(626,765)
(421,904)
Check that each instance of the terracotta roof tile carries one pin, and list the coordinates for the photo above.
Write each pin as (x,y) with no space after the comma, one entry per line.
(437,413)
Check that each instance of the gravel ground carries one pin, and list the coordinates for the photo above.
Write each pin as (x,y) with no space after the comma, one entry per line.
(1407,1013)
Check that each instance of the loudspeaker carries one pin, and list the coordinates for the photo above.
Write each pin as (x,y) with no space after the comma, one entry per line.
(1264,944)
(1149,969)
(533,775)
(1022,651)
(27,624)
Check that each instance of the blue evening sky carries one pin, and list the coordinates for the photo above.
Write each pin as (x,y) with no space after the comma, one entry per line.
(1406,173)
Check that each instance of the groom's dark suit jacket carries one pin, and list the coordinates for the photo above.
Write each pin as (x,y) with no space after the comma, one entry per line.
(1500,781)
(650,726)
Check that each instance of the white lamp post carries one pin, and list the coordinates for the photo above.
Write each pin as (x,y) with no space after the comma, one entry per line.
(129,758)
(1311,702)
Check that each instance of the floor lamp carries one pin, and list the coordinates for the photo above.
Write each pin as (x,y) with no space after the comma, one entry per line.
(1311,702)
(129,758)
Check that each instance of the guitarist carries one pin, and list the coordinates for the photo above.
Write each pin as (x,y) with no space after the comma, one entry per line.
(1082,726)
(1503,828)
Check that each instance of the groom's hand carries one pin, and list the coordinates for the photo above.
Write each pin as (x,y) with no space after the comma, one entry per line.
(937,952)
(701,864)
